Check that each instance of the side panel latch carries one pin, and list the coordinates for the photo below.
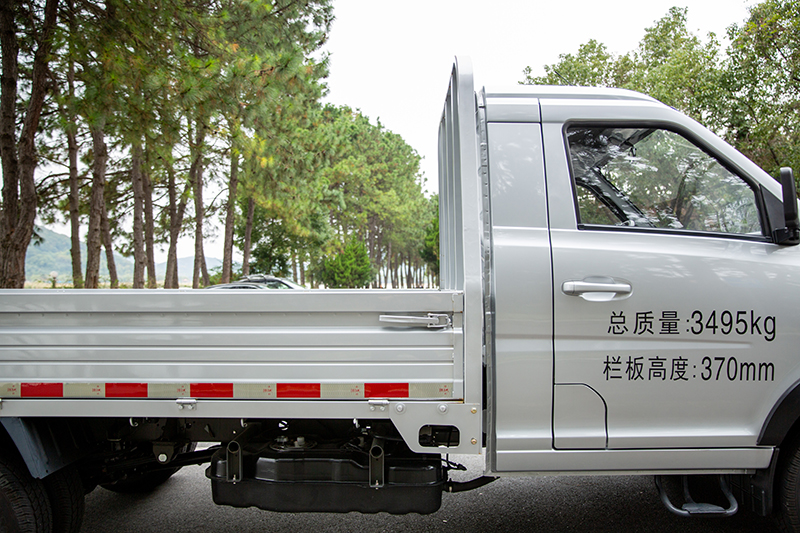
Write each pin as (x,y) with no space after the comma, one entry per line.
(431,320)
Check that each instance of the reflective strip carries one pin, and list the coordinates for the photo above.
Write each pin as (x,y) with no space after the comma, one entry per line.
(342,390)
(84,390)
(41,390)
(430,390)
(9,390)
(168,390)
(126,390)
(386,390)
(211,390)
(251,391)
(254,391)
(298,390)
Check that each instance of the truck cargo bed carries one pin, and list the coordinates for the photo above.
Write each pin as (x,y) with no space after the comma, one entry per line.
(326,344)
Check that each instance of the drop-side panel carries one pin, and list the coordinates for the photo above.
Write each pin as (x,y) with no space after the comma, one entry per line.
(227,344)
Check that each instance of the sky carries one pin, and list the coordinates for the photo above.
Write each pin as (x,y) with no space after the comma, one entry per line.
(393,59)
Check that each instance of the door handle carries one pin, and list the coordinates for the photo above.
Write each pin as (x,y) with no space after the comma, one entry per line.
(577,288)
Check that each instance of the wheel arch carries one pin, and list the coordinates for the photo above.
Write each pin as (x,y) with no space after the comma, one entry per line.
(45,445)
(782,418)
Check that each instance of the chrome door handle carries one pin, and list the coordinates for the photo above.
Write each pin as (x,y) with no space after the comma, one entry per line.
(577,288)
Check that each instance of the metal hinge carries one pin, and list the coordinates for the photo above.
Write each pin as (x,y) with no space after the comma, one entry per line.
(188,403)
(378,405)
(432,320)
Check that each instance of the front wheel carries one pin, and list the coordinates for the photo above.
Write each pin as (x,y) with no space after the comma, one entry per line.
(24,507)
(787,513)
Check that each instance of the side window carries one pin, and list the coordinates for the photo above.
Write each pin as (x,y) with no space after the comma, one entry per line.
(655,178)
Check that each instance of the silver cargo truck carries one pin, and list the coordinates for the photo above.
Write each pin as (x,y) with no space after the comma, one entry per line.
(619,293)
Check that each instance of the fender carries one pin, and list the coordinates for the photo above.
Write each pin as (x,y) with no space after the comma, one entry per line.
(781,418)
(46,445)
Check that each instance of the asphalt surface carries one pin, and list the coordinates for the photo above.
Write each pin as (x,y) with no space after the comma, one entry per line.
(549,503)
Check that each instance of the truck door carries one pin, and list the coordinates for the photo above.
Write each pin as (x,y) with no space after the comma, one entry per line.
(666,290)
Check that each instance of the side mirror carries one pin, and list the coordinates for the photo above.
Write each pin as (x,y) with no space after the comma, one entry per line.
(790,235)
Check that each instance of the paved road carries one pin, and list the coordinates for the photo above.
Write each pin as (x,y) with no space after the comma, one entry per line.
(184,505)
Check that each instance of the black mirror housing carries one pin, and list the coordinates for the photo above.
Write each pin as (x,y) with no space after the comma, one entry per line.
(789,235)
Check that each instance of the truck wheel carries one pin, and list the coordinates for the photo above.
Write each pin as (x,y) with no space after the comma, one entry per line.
(24,507)
(65,490)
(787,513)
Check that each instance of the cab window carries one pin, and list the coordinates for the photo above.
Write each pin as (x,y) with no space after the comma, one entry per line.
(656,178)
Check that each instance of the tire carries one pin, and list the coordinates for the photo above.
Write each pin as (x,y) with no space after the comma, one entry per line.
(24,507)
(65,490)
(787,513)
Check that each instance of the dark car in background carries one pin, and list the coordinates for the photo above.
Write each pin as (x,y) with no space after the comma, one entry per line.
(259,281)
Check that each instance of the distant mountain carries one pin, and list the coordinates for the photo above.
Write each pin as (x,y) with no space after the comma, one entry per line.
(53,255)
(185,268)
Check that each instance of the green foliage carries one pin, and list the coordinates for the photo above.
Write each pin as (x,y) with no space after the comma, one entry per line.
(749,95)
(762,78)
(196,85)
(349,268)
(215,274)
(592,66)
(430,247)
(331,176)
(374,179)
(272,244)
(670,64)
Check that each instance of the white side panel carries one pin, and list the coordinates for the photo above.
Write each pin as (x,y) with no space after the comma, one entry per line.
(579,418)
(238,337)
(705,343)
(689,461)
(523,362)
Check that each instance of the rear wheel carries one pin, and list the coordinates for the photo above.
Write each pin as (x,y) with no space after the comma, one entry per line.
(24,507)
(65,490)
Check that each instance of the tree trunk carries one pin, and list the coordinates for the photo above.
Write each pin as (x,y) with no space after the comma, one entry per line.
(74,209)
(303,269)
(248,234)
(139,259)
(149,226)
(230,216)
(199,254)
(170,276)
(177,209)
(74,186)
(387,272)
(19,159)
(200,270)
(96,206)
(379,260)
(108,245)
